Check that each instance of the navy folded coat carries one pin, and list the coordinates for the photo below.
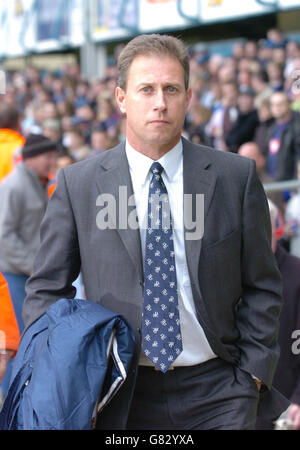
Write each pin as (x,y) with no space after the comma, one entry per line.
(69,365)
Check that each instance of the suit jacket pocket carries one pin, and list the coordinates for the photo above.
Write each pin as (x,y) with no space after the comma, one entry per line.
(229,246)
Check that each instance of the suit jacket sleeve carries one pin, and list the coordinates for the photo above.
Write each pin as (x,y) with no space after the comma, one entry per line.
(57,263)
(259,308)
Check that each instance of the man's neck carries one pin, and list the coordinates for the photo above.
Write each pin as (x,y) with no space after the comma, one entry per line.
(154,152)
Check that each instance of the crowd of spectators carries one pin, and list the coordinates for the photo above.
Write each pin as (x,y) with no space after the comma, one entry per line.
(246,103)
(252,95)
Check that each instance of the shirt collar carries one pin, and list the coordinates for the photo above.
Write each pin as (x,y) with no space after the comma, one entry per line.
(140,164)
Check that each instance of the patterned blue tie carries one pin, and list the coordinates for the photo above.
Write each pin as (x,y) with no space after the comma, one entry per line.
(161,334)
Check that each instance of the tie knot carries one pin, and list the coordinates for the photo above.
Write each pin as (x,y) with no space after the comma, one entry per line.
(156,168)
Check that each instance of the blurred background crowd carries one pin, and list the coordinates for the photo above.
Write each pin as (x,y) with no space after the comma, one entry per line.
(246,103)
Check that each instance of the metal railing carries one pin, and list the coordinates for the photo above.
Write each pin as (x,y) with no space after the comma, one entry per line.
(282,186)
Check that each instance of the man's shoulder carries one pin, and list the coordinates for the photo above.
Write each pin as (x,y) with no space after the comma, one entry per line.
(90,166)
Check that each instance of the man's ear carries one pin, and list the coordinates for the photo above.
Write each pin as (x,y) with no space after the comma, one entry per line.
(188,97)
(121,99)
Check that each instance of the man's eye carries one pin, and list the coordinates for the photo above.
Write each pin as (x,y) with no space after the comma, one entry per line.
(146,89)
(171,89)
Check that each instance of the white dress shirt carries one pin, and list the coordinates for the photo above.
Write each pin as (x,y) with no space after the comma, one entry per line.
(196,348)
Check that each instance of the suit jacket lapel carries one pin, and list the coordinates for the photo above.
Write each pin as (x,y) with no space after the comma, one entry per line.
(198,178)
(115,175)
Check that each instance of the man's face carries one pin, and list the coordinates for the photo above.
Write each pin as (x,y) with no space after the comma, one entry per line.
(280,106)
(245,103)
(155,102)
(44,164)
(230,95)
(98,140)
(250,150)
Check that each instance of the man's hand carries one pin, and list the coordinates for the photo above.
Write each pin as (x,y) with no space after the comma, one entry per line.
(5,355)
(294,416)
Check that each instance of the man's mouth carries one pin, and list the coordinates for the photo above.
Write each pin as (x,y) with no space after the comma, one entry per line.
(159,122)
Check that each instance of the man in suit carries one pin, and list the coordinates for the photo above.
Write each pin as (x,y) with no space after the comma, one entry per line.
(203,304)
(282,139)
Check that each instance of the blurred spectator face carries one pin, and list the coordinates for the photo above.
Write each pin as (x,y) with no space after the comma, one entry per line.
(47,81)
(280,106)
(49,111)
(244,78)
(231,62)
(85,112)
(214,64)
(245,103)
(254,66)
(74,140)
(264,112)
(251,150)
(42,96)
(292,50)
(32,74)
(66,123)
(57,86)
(10,98)
(82,90)
(238,51)
(229,94)
(52,134)
(265,53)
(43,164)
(63,161)
(98,140)
(279,56)
(226,74)
(274,71)
(275,36)
(197,83)
(244,64)
(38,114)
(51,129)
(200,114)
(106,108)
(64,108)
(251,50)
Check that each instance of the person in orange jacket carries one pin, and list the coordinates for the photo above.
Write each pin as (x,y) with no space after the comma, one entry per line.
(10,138)
(9,330)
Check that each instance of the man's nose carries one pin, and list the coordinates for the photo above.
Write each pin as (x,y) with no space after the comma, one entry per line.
(160,103)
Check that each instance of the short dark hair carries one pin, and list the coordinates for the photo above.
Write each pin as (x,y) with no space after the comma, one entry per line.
(9,116)
(152,44)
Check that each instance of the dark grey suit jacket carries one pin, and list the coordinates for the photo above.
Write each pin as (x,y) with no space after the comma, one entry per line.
(234,278)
